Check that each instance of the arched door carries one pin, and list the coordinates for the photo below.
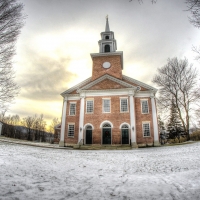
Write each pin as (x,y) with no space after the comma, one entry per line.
(125,134)
(88,135)
(106,134)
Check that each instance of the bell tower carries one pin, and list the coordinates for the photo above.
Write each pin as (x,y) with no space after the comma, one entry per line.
(107,43)
(108,60)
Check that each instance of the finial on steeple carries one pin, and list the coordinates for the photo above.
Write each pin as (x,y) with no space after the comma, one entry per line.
(107,25)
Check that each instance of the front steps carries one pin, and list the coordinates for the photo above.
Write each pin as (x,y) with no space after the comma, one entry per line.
(99,147)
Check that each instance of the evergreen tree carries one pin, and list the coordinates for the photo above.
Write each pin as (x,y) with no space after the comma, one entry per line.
(174,126)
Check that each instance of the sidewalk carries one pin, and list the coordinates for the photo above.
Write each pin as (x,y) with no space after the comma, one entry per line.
(30,143)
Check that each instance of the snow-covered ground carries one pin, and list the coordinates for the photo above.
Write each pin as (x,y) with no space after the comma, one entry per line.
(153,173)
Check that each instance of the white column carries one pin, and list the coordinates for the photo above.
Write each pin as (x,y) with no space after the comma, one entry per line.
(155,121)
(62,134)
(132,119)
(81,121)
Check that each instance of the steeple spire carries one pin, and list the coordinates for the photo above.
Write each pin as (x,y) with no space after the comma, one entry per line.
(107,25)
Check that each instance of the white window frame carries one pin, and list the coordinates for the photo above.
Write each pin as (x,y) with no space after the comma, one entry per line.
(144,100)
(87,100)
(143,123)
(103,110)
(124,98)
(70,108)
(70,124)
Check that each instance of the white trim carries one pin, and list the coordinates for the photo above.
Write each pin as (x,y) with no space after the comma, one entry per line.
(106,122)
(76,86)
(132,119)
(139,83)
(81,120)
(64,113)
(108,92)
(155,122)
(88,124)
(73,97)
(123,97)
(124,123)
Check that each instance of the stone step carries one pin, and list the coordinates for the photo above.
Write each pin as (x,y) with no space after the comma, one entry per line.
(109,147)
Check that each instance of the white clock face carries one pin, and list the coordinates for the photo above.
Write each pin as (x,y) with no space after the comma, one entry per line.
(106,65)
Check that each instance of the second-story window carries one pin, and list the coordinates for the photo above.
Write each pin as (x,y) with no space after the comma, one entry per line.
(144,106)
(89,106)
(72,109)
(106,105)
(124,105)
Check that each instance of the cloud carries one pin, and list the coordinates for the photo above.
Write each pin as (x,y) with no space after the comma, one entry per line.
(45,77)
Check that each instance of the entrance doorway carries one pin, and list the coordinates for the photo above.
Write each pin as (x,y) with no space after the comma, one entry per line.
(106,134)
(88,135)
(125,134)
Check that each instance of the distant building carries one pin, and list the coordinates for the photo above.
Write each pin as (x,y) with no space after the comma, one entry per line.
(57,129)
(109,108)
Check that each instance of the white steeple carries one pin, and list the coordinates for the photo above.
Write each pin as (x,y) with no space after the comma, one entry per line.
(107,25)
(107,43)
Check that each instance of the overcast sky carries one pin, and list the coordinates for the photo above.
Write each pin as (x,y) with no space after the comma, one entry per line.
(53,49)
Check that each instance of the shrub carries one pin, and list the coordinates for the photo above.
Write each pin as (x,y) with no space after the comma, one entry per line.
(195,136)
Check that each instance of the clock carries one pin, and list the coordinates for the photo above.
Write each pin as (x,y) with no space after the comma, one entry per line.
(106,65)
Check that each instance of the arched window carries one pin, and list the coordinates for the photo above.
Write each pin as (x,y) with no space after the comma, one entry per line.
(106,125)
(89,127)
(124,126)
(107,48)
(107,37)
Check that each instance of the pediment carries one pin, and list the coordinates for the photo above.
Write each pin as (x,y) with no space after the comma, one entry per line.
(107,82)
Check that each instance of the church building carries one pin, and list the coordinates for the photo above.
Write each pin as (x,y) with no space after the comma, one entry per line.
(109,108)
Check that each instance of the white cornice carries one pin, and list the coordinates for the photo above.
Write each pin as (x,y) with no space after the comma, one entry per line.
(139,83)
(109,92)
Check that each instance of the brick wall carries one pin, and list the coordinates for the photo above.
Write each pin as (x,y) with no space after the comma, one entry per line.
(115,117)
(72,119)
(115,69)
(142,118)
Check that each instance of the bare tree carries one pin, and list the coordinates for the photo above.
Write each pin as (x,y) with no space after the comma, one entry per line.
(54,122)
(28,122)
(178,80)
(39,126)
(11,22)
(194,7)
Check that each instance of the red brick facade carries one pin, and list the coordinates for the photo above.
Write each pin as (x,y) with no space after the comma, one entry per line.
(107,82)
